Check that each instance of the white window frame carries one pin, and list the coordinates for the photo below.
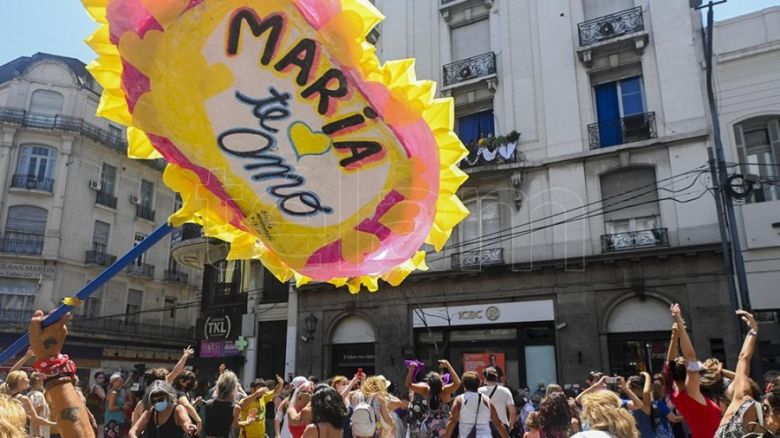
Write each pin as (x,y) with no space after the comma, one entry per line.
(495,239)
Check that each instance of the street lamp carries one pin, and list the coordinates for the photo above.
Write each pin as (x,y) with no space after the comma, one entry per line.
(311,326)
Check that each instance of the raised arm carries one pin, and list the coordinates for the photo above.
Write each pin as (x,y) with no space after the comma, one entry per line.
(33,415)
(419,388)
(598,386)
(183,420)
(455,384)
(140,425)
(20,363)
(249,399)
(692,378)
(191,411)
(674,343)
(67,407)
(647,393)
(742,373)
(635,402)
(186,354)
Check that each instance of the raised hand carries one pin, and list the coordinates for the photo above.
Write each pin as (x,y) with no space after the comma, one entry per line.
(47,342)
(750,321)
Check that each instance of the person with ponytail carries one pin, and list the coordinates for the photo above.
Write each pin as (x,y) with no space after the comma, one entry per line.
(436,396)
(603,416)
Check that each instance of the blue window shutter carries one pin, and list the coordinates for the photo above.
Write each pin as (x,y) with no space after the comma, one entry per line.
(468,128)
(487,124)
(631,96)
(608,109)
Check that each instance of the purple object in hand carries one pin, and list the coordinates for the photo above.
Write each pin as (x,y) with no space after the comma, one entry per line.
(446,379)
(418,367)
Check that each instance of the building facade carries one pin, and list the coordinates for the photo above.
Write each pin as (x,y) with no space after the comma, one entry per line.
(748,59)
(71,202)
(587,127)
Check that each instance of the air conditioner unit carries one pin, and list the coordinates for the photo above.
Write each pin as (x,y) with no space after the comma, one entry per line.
(95,185)
(134,199)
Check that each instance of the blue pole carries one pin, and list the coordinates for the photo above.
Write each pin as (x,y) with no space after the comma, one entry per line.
(90,288)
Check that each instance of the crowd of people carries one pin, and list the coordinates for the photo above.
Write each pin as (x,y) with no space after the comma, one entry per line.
(690,398)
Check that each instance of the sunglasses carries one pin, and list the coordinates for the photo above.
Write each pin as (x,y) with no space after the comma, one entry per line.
(156,399)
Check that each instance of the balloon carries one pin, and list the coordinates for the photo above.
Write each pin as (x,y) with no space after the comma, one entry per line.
(284,134)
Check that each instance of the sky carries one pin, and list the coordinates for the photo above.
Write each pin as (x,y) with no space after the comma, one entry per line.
(60,26)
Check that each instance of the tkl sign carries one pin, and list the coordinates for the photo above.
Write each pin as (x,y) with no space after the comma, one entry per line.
(217,327)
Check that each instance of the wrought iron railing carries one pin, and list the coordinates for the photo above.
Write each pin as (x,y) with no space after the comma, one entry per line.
(24,245)
(142,269)
(105,199)
(611,26)
(478,258)
(99,258)
(472,68)
(176,276)
(61,122)
(116,326)
(32,182)
(624,130)
(635,240)
(144,212)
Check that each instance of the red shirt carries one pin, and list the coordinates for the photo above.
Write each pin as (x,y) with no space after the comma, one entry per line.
(702,419)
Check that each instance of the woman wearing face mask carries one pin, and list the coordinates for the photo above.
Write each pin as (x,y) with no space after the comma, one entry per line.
(163,417)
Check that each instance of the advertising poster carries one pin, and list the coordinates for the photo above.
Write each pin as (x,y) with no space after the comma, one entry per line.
(479,361)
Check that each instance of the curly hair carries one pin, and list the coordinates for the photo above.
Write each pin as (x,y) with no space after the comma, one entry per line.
(184,381)
(554,416)
(13,419)
(532,420)
(374,385)
(603,410)
(328,407)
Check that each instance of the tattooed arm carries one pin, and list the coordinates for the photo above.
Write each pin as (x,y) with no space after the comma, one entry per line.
(67,408)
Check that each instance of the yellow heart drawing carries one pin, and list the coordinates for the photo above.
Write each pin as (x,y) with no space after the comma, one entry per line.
(307,142)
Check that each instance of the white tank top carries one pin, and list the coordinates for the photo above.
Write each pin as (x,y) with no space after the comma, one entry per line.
(468,415)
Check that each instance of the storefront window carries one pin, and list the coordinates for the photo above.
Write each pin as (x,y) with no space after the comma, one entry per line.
(540,365)
(631,353)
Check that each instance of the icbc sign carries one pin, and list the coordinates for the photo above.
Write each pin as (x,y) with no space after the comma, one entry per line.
(216,327)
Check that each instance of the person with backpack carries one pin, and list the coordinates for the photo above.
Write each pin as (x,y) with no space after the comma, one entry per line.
(501,397)
(473,412)
(430,410)
(370,415)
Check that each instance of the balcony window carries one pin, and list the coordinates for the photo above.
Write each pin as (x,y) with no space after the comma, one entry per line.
(480,235)
(35,169)
(46,102)
(18,294)
(473,127)
(758,147)
(620,106)
(24,230)
(133,307)
(631,212)
(91,307)
(145,207)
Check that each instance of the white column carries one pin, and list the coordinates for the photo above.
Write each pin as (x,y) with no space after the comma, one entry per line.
(292,332)
(6,147)
(60,184)
(250,366)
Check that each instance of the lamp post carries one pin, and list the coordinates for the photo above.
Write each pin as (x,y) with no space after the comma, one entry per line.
(311,327)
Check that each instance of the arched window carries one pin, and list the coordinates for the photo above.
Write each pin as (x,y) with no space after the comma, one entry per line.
(638,330)
(758,149)
(631,214)
(353,342)
(25,227)
(35,169)
(46,102)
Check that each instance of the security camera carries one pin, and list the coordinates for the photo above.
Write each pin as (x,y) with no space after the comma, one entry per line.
(561,326)
(304,338)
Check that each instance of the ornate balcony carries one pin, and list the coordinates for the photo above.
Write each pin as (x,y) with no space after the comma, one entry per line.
(624,130)
(32,182)
(471,69)
(478,258)
(31,245)
(190,248)
(60,122)
(144,212)
(99,258)
(635,240)
(142,269)
(176,277)
(611,26)
(105,199)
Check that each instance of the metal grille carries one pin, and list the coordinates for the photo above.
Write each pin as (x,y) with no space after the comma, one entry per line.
(611,26)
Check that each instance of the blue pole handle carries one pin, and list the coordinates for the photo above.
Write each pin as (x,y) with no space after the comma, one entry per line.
(90,288)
